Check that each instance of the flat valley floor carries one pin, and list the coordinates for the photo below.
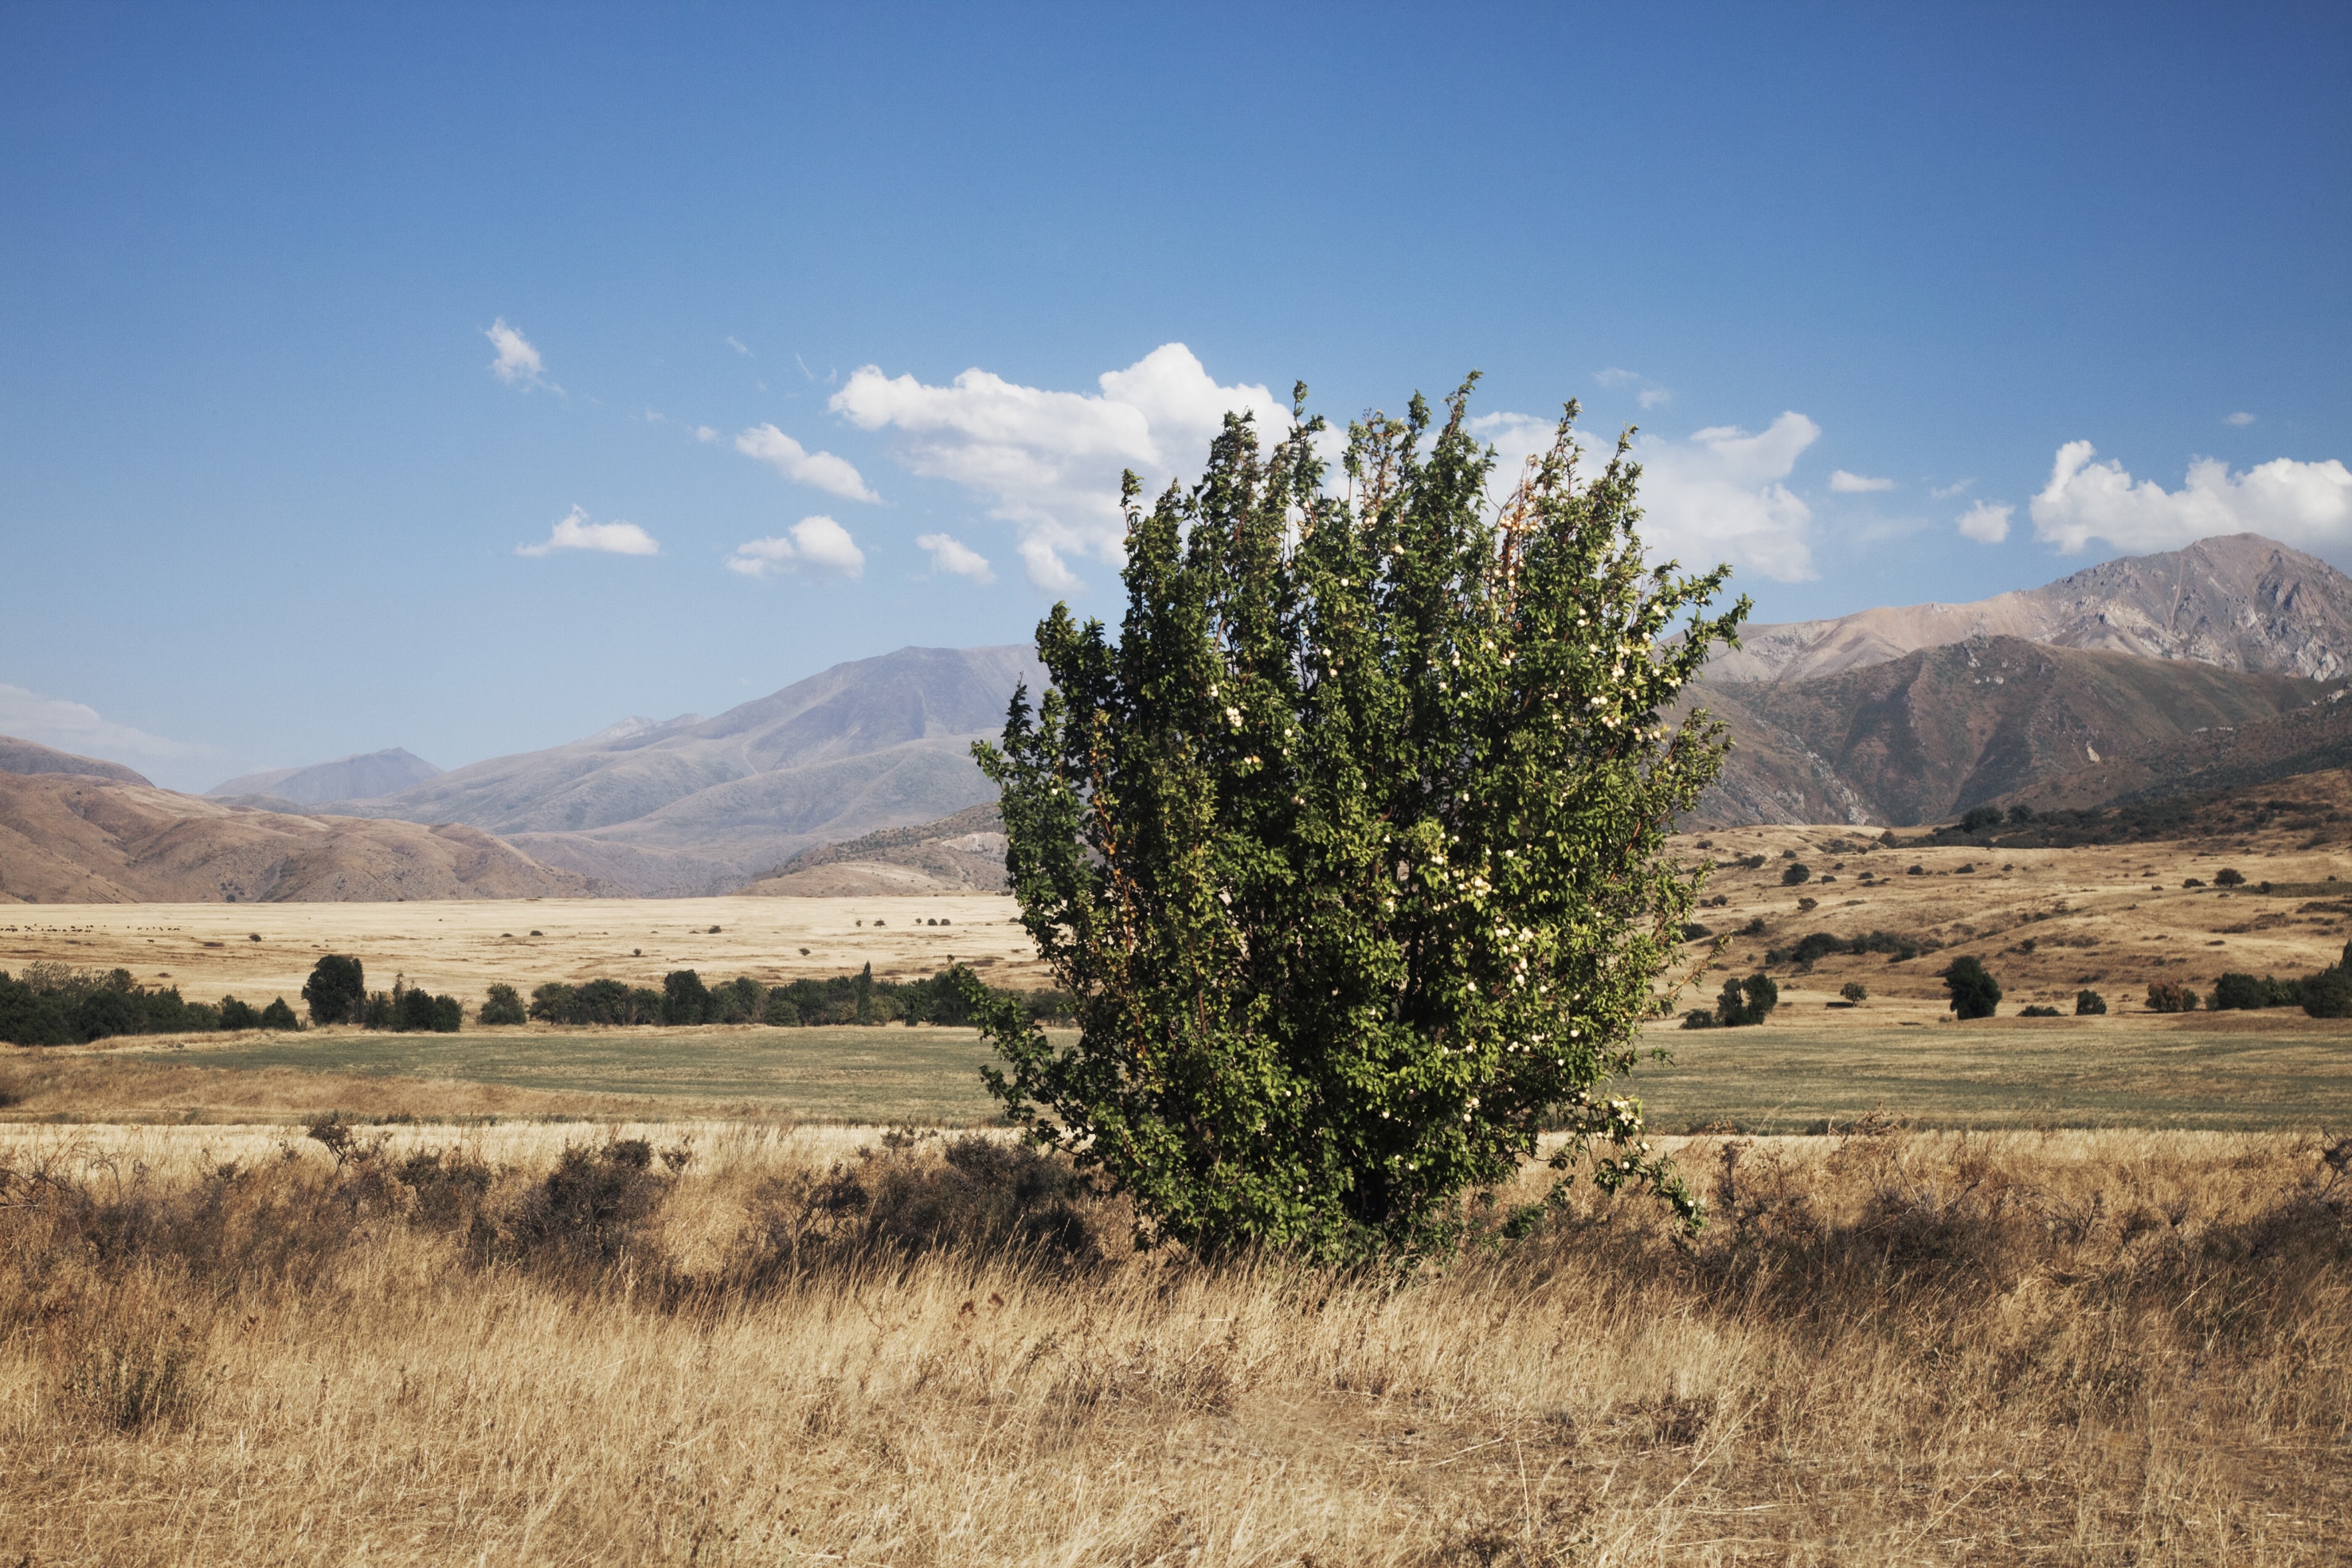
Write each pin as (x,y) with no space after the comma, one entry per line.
(2070,1291)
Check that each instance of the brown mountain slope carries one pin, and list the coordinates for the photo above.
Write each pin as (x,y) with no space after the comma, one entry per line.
(2239,601)
(74,839)
(2297,744)
(1938,730)
(31,757)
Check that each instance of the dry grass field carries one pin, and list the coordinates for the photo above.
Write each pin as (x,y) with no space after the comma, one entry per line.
(639,1296)
(465,946)
(467,1346)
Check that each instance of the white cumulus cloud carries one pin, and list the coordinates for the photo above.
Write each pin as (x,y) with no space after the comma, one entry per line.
(1049,460)
(1846,484)
(2240,417)
(575,531)
(951,555)
(1986,523)
(1715,497)
(81,729)
(817,543)
(2304,504)
(819,470)
(518,364)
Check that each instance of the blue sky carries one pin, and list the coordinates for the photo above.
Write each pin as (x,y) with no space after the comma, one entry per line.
(311,319)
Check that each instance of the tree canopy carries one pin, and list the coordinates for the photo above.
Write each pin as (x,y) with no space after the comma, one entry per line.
(1351,847)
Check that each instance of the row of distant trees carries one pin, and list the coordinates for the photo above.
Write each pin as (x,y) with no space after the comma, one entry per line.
(337,992)
(50,1004)
(685,998)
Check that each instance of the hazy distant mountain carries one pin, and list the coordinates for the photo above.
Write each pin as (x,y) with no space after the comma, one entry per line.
(1927,735)
(2239,601)
(31,757)
(701,805)
(83,839)
(353,778)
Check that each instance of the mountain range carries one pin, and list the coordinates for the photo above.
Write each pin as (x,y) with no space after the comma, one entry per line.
(2239,601)
(2202,667)
(74,830)
(695,805)
(351,778)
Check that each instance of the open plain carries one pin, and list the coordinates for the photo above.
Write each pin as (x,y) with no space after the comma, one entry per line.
(2067,1290)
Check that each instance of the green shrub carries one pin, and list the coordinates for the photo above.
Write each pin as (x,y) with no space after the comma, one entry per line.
(2167,997)
(1975,993)
(2089,1004)
(2328,994)
(1854,991)
(235,1014)
(1747,1002)
(277,1015)
(2228,876)
(502,1005)
(336,991)
(2037,1011)
(1791,876)
(685,998)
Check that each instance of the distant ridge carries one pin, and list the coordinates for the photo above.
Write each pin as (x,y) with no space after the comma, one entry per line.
(353,778)
(84,838)
(697,805)
(31,757)
(959,854)
(1922,738)
(2239,601)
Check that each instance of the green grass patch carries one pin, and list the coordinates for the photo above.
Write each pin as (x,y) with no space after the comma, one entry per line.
(2250,1076)
(927,1076)
(2254,1072)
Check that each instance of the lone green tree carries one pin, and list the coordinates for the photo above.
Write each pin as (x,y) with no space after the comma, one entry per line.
(336,991)
(1975,993)
(1351,849)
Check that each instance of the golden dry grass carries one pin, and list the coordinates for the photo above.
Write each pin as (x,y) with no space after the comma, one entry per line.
(2046,922)
(463,947)
(2073,1348)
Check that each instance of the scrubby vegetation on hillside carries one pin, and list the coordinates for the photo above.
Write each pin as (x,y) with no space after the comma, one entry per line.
(2200,815)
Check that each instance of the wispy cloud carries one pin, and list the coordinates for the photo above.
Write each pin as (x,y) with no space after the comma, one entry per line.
(575,531)
(1985,522)
(1049,460)
(737,344)
(1651,394)
(1716,496)
(2240,417)
(1846,484)
(817,543)
(518,363)
(951,554)
(819,470)
(2303,504)
(1946,492)
(83,731)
